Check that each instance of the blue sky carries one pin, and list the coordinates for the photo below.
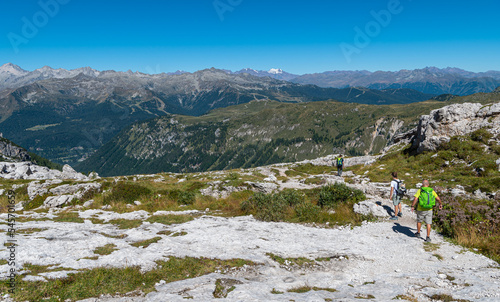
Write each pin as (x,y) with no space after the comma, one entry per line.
(297,36)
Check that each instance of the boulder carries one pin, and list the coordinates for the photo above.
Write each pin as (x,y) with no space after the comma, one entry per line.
(88,203)
(58,201)
(368,207)
(217,190)
(78,189)
(458,190)
(69,173)
(93,176)
(36,188)
(264,187)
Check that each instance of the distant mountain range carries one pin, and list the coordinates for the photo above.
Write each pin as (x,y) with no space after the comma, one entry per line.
(67,115)
(429,80)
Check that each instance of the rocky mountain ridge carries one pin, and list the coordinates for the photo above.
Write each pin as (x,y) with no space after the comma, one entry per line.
(67,119)
(428,80)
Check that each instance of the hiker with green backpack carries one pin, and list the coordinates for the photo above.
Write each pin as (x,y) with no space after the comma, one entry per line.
(340,165)
(426,198)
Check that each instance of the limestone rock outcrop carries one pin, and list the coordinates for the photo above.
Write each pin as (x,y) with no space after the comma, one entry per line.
(11,151)
(453,120)
(27,170)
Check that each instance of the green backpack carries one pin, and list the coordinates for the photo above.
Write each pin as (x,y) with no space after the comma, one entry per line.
(340,161)
(426,200)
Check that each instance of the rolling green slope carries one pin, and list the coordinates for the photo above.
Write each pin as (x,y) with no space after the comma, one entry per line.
(258,133)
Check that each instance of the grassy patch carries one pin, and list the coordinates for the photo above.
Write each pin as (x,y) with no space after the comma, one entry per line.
(146,243)
(305,289)
(105,250)
(290,261)
(439,257)
(294,173)
(431,247)
(165,232)
(35,269)
(102,280)
(276,292)
(3,261)
(29,231)
(170,219)
(364,296)
(177,234)
(300,290)
(446,298)
(314,181)
(405,297)
(126,192)
(68,217)
(120,236)
(314,170)
(36,202)
(224,286)
(91,258)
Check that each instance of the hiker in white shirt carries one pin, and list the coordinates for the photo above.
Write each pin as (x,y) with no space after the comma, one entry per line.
(396,199)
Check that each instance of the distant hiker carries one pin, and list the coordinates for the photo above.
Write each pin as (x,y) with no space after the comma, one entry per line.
(340,165)
(426,198)
(398,190)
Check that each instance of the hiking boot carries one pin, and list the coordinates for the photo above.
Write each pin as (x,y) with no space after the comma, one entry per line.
(400,214)
(417,235)
(394,218)
(428,239)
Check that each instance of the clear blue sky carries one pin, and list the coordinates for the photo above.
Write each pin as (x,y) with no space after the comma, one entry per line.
(297,36)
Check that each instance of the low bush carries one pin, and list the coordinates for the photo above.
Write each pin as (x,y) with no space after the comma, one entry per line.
(331,195)
(474,224)
(307,212)
(266,207)
(181,197)
(481,135)
(291,197)
(36,202)
(126,192)
(273,207)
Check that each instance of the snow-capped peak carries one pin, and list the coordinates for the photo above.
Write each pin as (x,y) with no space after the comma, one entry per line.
(275,71)
(45,69)
(12,69)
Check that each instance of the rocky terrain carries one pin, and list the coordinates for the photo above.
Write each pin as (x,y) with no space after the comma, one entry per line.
(378,260)
(72,228)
